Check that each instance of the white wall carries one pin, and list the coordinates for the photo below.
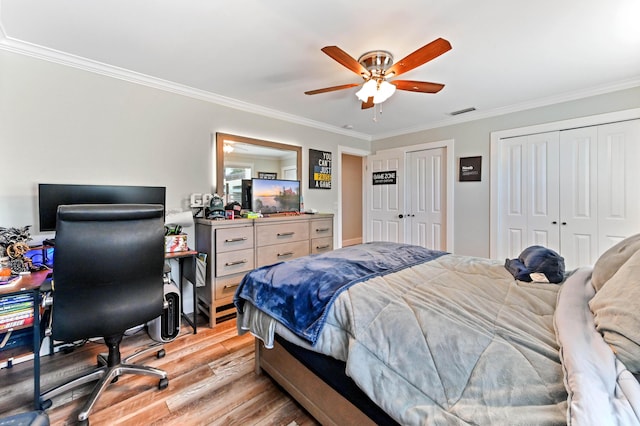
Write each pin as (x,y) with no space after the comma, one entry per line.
(471,199)
(64,125)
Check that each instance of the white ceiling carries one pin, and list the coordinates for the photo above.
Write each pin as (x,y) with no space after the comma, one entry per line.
(263,55)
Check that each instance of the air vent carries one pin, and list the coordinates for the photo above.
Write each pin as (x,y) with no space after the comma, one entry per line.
(462,111)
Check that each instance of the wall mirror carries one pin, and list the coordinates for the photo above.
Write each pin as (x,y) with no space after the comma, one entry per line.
(239,157)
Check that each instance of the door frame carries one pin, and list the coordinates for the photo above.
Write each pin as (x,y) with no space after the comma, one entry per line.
(497,136)
(447,144)
(337,235)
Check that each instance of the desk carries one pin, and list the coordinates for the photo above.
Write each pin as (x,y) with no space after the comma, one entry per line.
(181,256)
(28,284)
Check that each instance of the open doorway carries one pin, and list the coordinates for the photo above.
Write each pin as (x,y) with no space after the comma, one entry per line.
(352,191)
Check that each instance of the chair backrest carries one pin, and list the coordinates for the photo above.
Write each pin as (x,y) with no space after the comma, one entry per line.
(107,269)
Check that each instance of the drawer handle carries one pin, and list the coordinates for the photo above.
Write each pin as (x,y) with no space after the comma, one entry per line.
(228,286)
(237,262)
(322,247)
(322,229)
(235,240)
(285,234)
(289,253)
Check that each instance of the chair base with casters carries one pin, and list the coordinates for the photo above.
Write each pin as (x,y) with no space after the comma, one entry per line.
(110,367)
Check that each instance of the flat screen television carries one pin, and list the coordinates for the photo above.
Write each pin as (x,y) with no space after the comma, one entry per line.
(50,196)
(275,195)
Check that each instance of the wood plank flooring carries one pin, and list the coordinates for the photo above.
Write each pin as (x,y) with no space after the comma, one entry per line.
(211,382)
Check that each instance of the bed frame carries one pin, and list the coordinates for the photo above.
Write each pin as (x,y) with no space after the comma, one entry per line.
(319,399)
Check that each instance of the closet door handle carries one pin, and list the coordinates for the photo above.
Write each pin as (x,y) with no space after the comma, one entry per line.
(564,223)
(555,222)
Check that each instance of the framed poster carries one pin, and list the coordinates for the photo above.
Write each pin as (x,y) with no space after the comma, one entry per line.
(267,175)
(470,169)
(319,169)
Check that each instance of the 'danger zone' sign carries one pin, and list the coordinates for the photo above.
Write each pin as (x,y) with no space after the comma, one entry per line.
(384,178)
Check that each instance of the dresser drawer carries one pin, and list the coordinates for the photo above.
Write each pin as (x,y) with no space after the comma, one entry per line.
(321,228)
(226,288)
(234,239)
(233,262)
(321,245)
(282,233)
(281,252)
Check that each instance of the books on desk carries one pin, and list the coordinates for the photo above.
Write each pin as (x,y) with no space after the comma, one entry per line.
(16,311)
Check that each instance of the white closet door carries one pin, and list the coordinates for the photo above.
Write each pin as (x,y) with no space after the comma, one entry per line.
(528,193)
(618,182)
(544,194)
(427,206)
(578,196)
(386,210)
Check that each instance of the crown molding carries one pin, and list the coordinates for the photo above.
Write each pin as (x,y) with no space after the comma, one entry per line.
(39,52)
(52,55)
(537,103)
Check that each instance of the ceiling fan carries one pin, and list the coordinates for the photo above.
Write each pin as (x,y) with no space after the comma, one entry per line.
(377,67)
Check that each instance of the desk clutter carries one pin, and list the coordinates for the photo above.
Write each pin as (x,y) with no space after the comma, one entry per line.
(13,247)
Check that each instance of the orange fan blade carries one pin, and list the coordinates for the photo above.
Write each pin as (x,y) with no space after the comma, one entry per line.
(344,59)
(368,103)
(417,86)
(420,56)
(331,89)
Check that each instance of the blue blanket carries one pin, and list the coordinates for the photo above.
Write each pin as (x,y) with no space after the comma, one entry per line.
(299,292)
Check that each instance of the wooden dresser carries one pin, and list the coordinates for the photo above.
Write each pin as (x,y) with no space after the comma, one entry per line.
(235,247)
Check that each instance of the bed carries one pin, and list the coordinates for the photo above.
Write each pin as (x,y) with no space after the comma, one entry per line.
(429,337)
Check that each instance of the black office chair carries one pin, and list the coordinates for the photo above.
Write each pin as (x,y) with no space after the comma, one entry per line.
(107,278)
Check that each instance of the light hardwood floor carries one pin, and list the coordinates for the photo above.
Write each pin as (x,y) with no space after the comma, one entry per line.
(211,382)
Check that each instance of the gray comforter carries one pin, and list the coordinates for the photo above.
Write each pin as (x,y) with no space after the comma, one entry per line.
(458,341)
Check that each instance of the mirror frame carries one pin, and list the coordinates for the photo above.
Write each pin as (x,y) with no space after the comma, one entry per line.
(221,137)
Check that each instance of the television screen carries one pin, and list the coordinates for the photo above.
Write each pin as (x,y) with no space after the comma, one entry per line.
(50,196)
(275,195)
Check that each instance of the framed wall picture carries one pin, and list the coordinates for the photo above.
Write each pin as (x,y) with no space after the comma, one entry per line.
(319,169)
(267,175)
(470,169)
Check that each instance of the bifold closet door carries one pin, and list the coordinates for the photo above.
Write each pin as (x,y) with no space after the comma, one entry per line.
(578,195)
(618,182)
(528,204)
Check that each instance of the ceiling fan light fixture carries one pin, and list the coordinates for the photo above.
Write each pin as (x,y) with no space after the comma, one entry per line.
(380,91)
(367,91)
(384,92)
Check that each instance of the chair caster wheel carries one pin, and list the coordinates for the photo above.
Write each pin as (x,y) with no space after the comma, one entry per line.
(84,422)
(163,383)
(46,404)
(161,353)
